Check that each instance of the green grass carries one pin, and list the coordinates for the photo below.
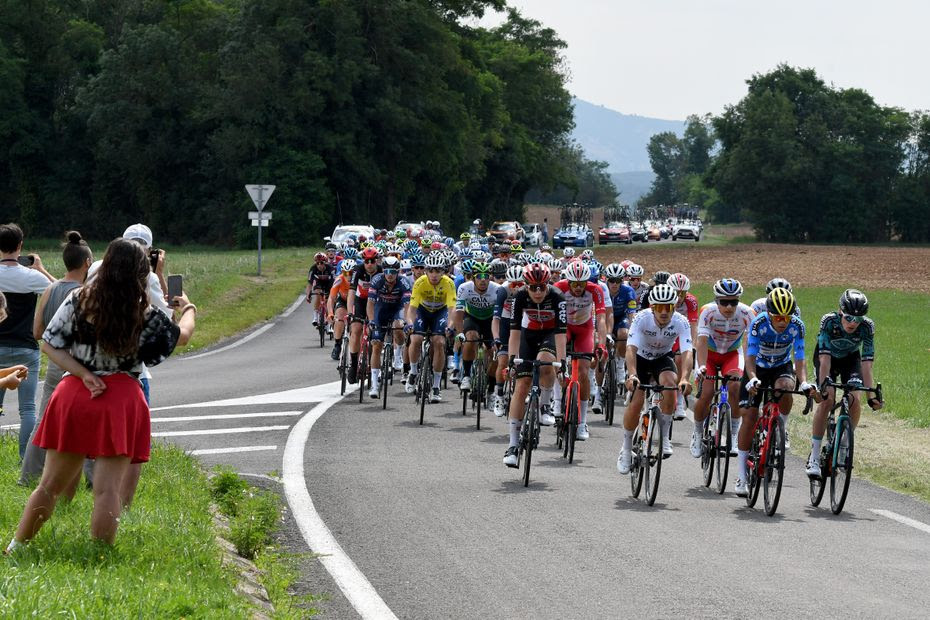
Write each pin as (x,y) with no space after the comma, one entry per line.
(165,563)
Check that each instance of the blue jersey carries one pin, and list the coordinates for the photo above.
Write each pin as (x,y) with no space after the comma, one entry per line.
(459,280)
(382,293)
(625,302)
(772,349)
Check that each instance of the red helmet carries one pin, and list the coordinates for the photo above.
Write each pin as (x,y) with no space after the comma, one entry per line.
(319,257)
(368,253)
(536,273)
(437,246)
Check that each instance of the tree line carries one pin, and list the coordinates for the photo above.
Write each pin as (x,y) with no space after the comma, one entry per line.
(802,161)
(360,111)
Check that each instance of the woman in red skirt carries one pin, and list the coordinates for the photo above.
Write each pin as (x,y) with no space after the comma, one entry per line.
(101,336)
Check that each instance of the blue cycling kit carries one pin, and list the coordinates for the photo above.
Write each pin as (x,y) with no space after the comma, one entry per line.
(773,349)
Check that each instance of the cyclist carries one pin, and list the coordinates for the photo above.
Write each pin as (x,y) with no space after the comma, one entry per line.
(624,309)
(687,307)
(775,336)
(388,297)
(498,271)
(846,349)
(635,274)
(474,314)
(358,304)
(758,306)
(432,299)
(500,328)
(584,307)
(537,332)
(337,303)
(649,359)
(720,347)
(319,282)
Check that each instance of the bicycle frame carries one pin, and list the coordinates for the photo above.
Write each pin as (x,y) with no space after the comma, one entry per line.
(529,431)
(843,404)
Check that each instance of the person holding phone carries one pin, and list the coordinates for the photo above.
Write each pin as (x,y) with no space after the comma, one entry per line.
(21,286)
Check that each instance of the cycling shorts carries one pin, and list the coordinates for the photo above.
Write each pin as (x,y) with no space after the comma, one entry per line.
(846,368)
(385,315)
(648,371)
(581,337)
(505,336)
(729,363)
(768,377)
(340,303)
(532,343)
(361,308)
(620,322)
(434,322)
(482,327)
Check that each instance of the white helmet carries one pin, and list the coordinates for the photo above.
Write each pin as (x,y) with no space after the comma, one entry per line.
(577,271)
(614,270)
(679,282)
(662,294)
(515,273)
(635,271)
(568,252)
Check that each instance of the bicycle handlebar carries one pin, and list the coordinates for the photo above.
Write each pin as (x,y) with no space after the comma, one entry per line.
(714,378)
(779,392)
(536,363)
(852,387)
(655,387)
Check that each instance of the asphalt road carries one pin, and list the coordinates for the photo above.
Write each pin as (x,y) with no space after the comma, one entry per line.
(441,529)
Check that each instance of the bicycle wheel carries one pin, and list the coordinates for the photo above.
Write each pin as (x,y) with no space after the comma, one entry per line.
(343,365)
(479,385)
(841,471)
(819,485)
(753,481)
(637,459)
(387,355)
(653,457)
(774,466)
(723,443)
(321,327)
(610,393)
(708,446)
(530,418)
(425,378)
(571,421)
(362,371)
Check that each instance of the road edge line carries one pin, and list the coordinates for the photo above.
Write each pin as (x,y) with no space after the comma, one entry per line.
(914,523)
(354,585)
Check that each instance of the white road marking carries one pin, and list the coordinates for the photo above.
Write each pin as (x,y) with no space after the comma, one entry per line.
(258,332)
(293,307)
(233,450)
(356,587)
(222,431)
(9,427)
(923,527)
(231,416)
(310,394)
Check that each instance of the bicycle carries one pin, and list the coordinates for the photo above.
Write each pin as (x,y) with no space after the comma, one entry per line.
(425,371)
(716,438)
(479,379)
(343,366)
(766,461)
(364,359)
(529,432)
(647,454)
(319,316)
(611,389)
(387,364)
(836,452)
(567,424)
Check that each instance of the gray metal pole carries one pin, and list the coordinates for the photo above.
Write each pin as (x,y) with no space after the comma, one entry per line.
(259,245)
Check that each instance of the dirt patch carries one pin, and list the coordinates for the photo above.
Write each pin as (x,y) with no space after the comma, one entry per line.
(867,267)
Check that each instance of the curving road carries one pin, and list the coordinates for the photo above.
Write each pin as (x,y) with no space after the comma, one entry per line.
(441,529)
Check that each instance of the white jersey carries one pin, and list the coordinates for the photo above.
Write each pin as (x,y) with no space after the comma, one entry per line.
(652,341)
(608,300)
(723,334)
(478,305)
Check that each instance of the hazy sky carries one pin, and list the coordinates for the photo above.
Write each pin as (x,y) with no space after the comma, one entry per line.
(671,58)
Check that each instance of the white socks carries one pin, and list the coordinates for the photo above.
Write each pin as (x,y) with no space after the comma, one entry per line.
(515,431)
(437,378)
(743,470)
(628,439)
(584,412)
(375,376)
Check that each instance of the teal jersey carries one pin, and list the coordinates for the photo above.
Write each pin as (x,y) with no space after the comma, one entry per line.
(839,343)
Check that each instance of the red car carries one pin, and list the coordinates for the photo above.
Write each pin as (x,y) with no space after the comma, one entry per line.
(614,232)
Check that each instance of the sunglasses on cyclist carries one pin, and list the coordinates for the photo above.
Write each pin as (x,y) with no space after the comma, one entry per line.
(614,280)
(728,302)
(371,261)
(853,319)
(779,318)
(434,270)
(662,307)
(536,288)
(390,272)
(321,261)
(482,276)
(578,284)
(419,267)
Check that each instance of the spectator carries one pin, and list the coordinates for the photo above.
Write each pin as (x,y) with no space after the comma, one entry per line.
(22,286)
(545,230)
(77,258)
(10,378)
(101,336)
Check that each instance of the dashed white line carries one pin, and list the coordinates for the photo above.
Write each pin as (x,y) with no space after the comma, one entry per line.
(919,525)
(221,431)
(228,416)
(233,450)
(356,587)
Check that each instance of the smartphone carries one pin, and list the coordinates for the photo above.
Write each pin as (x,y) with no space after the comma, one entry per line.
(26,261)
(175,288)
(153,258)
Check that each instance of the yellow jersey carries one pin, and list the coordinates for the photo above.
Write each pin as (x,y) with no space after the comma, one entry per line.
(433,298)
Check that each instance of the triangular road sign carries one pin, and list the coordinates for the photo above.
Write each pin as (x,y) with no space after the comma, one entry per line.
(260,194)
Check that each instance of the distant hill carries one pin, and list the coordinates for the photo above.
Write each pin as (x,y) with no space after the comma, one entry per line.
(632,185)
(619,139)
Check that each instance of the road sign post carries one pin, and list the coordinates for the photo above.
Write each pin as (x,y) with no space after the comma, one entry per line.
(260,195)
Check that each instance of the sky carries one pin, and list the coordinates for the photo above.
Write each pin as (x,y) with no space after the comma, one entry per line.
(671,58)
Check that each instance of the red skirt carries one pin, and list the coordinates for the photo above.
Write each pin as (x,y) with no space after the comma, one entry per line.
(116,423)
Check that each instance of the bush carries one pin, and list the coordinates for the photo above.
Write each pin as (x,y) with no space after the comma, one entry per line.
(227,489)
(255,519)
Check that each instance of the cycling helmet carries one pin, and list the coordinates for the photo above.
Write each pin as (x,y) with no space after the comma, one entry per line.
(577,271)
(780,302)
(728,287)
(468,265)
(406,265)
(595,268)
(417,260)
(661,277)
(614,270)
(401,234)
(349,264)
(425,242)
(775,283)
(662,294)
(498,268)
(389,235)
(390,262)
(568,252)
(465,236)
(679,282)
(435,261)
(369,253)
(481,268)
(587,255)
(635,271)
(546,247)
(474,245)
(555,265)
(516,247)
(515,273)
(437,246)
(319,257)
(854,302)
(466,253)
(331,246)
(350,253)
(537,273)
(626,264)
(411,244)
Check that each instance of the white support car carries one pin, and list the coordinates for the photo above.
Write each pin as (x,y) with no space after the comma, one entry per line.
(686,230)
(341,233)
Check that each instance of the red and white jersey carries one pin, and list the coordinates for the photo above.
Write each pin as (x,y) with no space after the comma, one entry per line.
(652,341)
(723,334)
(688,308)
(582,309)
